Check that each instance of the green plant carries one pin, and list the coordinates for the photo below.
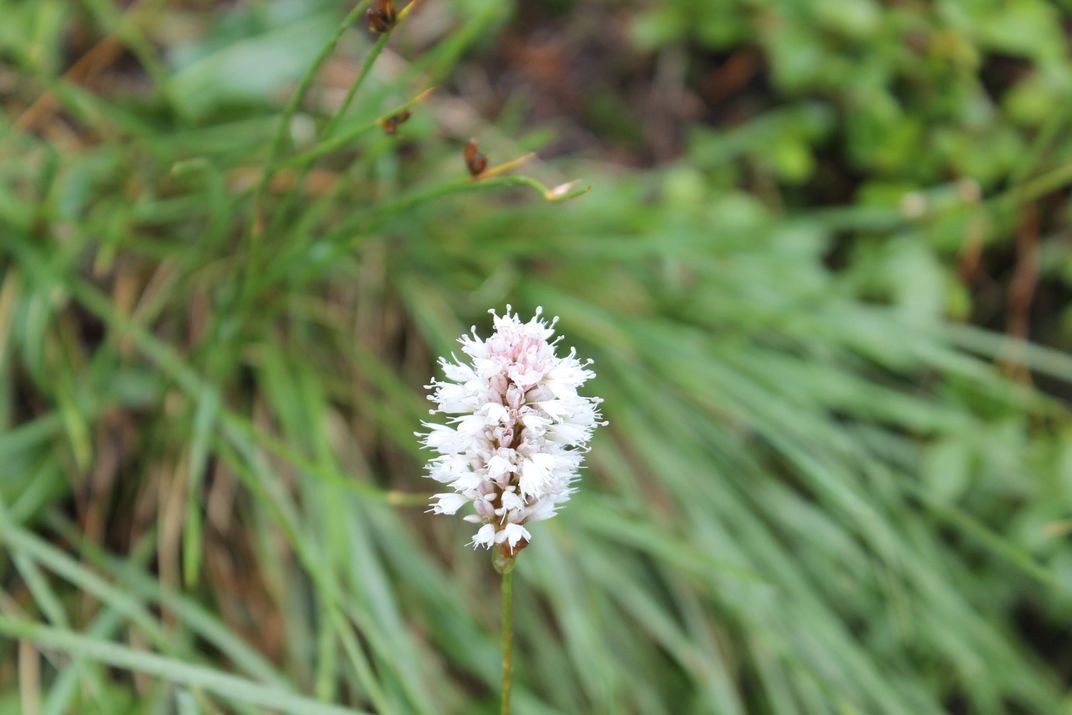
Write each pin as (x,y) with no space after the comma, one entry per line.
(815,495)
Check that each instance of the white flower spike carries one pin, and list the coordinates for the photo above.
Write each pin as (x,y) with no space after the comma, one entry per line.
(518,429)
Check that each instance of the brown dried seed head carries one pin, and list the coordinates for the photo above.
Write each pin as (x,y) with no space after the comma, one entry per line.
(475,162)
(381,16)
(390,125)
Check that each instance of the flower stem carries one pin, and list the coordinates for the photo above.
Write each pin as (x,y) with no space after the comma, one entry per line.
(507,639)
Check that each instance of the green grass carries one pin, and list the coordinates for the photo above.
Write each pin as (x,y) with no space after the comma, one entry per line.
(817,494)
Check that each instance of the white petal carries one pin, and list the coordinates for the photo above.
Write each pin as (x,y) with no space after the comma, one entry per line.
(468,481)
(485,536)
(455,399)
(543,509)
(512,501)
(446,440)
(514,533)
(568,433)
(494,413)
(500,465)
(456,371)
(557,409)
(449,503)
(535,473)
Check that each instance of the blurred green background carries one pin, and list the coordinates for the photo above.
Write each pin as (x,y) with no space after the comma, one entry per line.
(823,268)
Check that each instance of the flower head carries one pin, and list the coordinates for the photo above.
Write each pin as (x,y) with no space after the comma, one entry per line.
(517,430)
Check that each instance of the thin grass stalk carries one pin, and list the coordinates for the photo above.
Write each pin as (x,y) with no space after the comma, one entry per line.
(257,227)
(507,639)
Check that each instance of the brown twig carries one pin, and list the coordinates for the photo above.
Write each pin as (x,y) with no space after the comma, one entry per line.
(98,57)
(1022,290)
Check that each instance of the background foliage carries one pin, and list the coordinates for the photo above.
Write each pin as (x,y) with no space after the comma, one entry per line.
(820,236)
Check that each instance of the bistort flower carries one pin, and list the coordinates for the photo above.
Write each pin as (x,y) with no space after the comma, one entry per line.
(518,429)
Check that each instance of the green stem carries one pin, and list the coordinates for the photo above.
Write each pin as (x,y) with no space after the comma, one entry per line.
(257,227)
(507,639)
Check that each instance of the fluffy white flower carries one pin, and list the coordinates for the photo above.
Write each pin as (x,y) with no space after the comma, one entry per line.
(448,503)
(518,429)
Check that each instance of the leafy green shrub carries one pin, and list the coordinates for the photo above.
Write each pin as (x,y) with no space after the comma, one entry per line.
(909,81)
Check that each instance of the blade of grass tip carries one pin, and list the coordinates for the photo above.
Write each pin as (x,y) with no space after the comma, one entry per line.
(204,419)
(506,167)
(223,684)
